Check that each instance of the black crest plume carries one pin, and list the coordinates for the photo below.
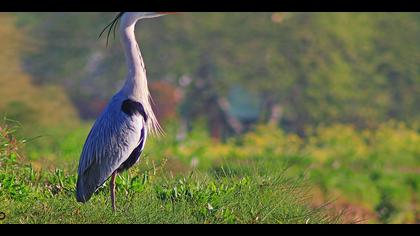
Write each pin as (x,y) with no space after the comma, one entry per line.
(111,27)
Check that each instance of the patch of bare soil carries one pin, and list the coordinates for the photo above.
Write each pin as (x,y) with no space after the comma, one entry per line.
(351,213)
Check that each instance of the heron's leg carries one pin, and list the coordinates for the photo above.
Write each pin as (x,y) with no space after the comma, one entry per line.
(112,186)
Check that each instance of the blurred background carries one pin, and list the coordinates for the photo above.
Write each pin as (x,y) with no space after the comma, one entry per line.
(336,96)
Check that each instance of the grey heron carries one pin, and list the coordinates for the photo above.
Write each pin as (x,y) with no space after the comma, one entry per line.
(118,136)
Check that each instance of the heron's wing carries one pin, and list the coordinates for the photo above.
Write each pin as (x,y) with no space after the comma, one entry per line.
(112,139)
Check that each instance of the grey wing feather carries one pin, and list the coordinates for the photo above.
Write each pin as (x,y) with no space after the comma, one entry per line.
(112,139)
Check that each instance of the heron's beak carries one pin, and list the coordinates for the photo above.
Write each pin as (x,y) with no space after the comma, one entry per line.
(167,13)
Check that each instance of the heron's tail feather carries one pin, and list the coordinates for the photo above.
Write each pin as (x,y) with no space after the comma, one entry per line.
(83,191)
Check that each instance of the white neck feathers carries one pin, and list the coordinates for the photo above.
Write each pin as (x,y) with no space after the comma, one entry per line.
(136,87)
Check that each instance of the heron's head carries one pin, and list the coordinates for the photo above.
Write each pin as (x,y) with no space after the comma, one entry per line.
(129,18)
(145,15)
(133,17)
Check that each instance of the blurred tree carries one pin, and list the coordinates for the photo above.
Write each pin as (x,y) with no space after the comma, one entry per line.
(29,104)
(307,68)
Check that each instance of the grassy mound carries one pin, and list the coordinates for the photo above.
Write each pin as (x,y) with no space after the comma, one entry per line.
(148,194)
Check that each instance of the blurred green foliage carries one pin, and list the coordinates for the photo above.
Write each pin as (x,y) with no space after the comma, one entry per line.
(357,68)
(33,106)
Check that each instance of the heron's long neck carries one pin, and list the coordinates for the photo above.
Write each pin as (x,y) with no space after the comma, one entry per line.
(136,82)
(135,86)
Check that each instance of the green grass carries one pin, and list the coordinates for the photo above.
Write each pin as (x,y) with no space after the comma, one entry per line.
(151,193)
(241,180)
(154,197)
